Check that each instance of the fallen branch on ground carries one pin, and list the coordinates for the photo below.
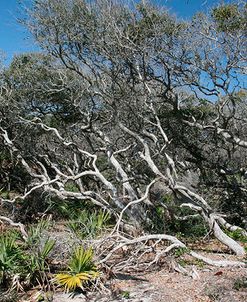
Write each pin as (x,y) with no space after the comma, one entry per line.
(122,253)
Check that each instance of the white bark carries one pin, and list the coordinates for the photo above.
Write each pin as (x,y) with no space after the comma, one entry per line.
(228,241)
(220,263)
(229,226)
(123,244)
(211,219)
(17,225)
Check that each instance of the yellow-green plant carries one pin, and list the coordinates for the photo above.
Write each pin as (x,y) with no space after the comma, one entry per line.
(82,270)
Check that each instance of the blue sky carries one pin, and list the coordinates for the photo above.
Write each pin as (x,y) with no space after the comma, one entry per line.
(14,38)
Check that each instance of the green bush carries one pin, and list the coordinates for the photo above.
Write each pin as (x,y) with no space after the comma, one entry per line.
(25,263)
(164,218)
(11,258)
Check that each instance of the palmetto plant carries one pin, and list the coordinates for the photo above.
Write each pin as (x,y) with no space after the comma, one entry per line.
(24,263)
(37,264)
(89,225)
(35,231)
(10,256)
(82,270)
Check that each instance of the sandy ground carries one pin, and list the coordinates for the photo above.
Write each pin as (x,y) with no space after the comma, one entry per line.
(213,284)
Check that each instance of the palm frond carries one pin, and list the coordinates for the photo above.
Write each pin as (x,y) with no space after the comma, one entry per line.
(81,270)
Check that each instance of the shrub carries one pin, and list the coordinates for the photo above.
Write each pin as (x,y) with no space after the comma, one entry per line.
(81,270)
(11,258)
(24,264)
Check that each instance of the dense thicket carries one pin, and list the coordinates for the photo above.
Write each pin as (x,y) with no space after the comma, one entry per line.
(131,110)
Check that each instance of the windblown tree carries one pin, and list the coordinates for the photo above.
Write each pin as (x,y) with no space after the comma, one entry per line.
(124,102)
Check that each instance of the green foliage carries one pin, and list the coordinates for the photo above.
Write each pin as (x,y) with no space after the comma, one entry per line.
(181,251)
(81,271)
(164,219)
(139,55)
(27,260)
(12,175)
(200,109)
(4,194)
(39,248)
(71,187)
(229,17)
(38,260)
(35,231)
(240,284)
(160,220)
(85,224)
(81,260)
(125,294)
(184,262)
(11,257)
(237,235)
(199,263)
(168,199)
(192,227)
(66,209)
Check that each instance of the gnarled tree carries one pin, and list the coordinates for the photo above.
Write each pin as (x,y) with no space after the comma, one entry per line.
(125,97)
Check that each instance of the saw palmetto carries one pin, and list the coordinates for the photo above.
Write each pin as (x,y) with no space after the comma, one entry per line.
(81,270)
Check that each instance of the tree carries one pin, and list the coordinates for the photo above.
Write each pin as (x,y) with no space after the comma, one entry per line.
(123,98)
